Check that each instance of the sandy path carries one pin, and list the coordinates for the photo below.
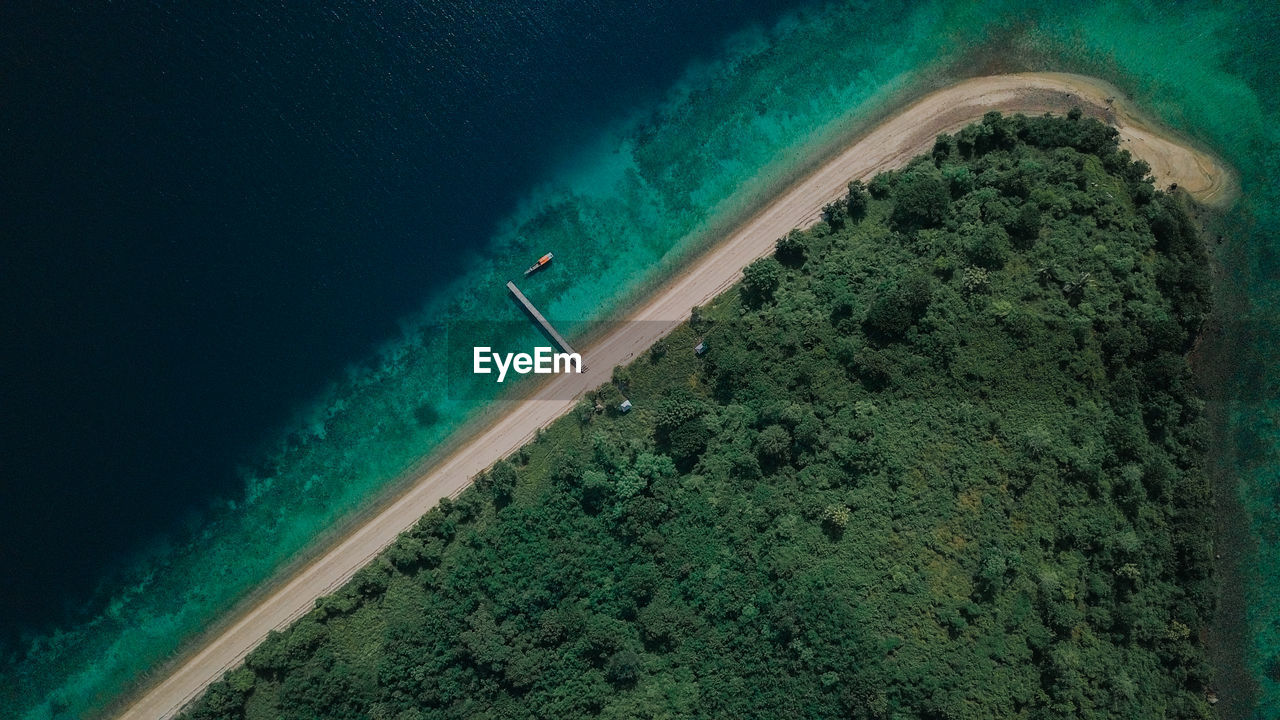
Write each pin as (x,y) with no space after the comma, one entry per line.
(889,145)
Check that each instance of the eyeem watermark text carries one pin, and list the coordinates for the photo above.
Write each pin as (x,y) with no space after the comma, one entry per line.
(543,361)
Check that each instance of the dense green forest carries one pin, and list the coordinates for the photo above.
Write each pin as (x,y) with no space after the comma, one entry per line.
(941,459)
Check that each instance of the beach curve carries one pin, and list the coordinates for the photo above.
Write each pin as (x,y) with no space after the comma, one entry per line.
(902,136)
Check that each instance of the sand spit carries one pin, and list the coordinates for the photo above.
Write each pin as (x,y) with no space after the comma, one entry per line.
(888,145)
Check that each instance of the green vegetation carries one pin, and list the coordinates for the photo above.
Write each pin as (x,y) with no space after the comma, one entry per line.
(941,460)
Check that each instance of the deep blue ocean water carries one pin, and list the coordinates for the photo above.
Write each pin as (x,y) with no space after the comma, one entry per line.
(206,213)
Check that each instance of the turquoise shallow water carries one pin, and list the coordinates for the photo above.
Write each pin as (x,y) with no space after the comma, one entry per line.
(639,196)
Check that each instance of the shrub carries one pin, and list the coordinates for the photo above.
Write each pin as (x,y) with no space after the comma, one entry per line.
(896,310)
(976,280)
(858,200)
(761,278)
(989,247)
(922,200)
(791,249)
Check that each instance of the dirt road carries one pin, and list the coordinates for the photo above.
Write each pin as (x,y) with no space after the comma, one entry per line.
(901,137)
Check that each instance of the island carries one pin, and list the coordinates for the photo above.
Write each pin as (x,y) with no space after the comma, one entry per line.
(940,455)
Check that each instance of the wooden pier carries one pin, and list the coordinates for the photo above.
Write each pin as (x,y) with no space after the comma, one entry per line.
(537,317)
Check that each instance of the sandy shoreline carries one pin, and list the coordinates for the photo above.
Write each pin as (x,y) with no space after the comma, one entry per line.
(889,144)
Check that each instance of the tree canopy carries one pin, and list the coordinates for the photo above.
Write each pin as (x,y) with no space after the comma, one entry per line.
(942,461)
